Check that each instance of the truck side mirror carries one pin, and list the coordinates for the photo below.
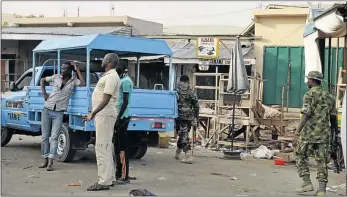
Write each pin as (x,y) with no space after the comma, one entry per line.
(12,86)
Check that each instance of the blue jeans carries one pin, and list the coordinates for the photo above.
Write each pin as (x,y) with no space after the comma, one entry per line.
(51,125)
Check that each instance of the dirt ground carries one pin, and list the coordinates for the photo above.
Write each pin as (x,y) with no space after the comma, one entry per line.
(158,172)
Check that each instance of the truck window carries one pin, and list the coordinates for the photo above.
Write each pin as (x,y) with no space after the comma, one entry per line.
(25,81)
(93,78)
(47,73)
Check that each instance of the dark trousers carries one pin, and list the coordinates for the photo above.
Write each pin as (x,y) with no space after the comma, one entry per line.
(120,141)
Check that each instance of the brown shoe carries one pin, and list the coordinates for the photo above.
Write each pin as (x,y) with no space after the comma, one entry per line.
(45,164)
(50,165)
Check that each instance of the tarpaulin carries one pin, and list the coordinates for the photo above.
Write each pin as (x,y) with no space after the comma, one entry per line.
(330,24)
(237,81)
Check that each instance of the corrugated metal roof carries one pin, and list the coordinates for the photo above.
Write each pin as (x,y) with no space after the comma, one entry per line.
(122,44)
(187,50)
(69,31)
(203,30)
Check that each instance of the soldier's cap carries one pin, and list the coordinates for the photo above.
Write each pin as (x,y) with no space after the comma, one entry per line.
(315,75)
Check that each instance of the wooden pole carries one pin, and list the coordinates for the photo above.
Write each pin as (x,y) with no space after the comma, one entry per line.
(329,66)
(337,63)
(345,57)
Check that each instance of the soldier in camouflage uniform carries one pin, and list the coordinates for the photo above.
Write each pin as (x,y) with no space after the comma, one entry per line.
(314,133)
(188,113)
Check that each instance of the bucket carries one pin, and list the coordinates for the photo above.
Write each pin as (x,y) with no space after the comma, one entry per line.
(279,162)
(234,155)
(164,140)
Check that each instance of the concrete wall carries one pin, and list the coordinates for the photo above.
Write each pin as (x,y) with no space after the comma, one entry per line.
(145,27)
(25,55)
(280,27)
(9,46)
(141,27)
(279,31)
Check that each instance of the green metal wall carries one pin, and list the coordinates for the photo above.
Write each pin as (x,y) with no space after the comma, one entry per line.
(275,71)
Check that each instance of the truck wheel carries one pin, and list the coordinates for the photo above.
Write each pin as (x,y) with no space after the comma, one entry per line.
(137,152)
(6,136)
(65,152)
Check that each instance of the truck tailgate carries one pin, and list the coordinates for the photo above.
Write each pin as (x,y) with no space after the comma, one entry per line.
(153,104)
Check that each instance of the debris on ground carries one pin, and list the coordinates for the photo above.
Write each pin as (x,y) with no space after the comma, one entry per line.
(77,183)
(20,138)
(162,178)
(218,174)
(288,157)
(245,155)
(172,145)
(342,186)
(27,167)
(141,192)
(234,178)
(262,152)
(253,174)
(34,176)
(331,190)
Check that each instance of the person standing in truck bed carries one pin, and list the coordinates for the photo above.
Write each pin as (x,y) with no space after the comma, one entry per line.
(56,104)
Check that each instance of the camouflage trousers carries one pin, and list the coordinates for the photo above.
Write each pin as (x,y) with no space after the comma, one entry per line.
(182,129)
(321,153)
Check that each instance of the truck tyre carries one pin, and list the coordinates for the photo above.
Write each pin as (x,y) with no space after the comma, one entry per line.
(65,152)
(137,152)
(6,136)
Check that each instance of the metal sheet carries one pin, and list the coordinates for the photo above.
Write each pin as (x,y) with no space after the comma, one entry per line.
(275,69)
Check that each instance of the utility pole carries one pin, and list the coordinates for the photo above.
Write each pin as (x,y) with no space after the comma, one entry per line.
(78,11)
(65,13)
(111,10)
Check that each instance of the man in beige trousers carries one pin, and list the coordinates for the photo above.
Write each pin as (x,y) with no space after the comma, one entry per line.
(104,102)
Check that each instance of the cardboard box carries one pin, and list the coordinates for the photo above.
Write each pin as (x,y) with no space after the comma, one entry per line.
(288,157)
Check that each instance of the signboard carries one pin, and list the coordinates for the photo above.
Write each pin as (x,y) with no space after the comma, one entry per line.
(204,65)
(207,47)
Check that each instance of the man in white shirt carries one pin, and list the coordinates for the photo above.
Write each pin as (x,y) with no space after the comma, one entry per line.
(104,102)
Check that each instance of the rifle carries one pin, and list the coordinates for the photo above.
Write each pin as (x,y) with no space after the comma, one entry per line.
(335,143)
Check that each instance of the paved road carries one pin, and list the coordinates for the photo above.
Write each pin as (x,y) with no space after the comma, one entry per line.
(157,172)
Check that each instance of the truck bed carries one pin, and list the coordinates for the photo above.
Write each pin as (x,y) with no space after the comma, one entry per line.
(145,105)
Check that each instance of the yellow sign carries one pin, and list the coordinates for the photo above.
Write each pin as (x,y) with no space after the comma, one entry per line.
(207,47)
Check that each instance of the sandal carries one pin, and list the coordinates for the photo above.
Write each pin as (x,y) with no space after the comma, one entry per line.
(98,187)
(120,182)
(129,177)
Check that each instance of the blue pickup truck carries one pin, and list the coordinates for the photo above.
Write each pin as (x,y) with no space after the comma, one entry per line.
(152,110)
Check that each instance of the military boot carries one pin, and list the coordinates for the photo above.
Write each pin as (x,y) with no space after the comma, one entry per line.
(322,189)
(178,153)
(188,158)
(306,186)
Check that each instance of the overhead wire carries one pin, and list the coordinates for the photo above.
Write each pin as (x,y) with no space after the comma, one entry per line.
(291,33)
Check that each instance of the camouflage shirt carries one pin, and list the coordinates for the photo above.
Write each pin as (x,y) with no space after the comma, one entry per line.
(188,105)
(318,104)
